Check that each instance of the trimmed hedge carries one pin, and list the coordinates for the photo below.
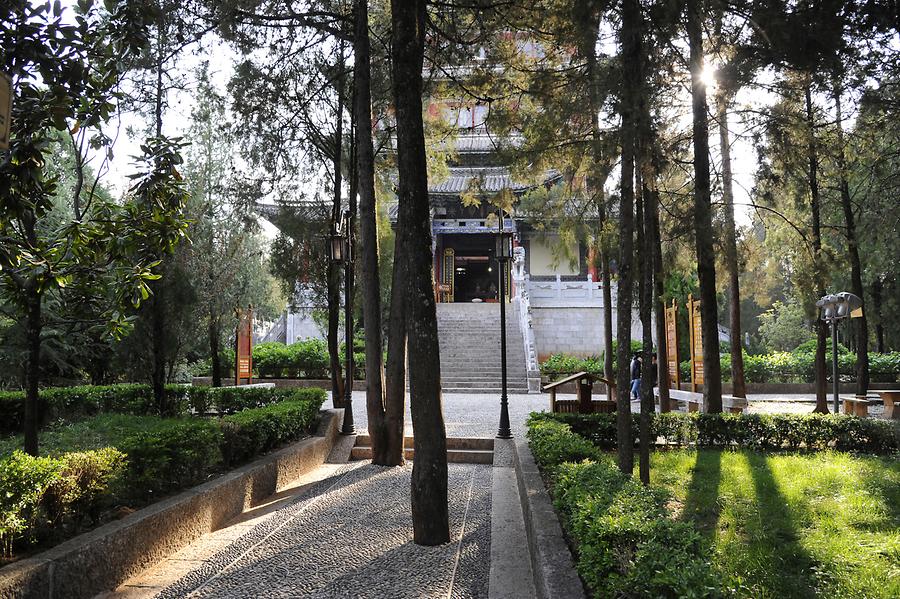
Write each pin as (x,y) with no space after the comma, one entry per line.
(152,456)
(754,431)
(74,403)
(307,359)
(625,543)
(777,367)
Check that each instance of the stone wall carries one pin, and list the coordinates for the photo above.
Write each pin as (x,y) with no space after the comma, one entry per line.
(576,330)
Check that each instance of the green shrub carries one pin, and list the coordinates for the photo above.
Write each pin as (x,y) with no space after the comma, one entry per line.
(175,456)
(23,479)
(554,443)
(756,431)
(40,493)
(83,481)
(624,542)
(229,400)
(255,431)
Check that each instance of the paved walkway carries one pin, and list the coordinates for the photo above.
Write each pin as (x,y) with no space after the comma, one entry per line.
(345,530)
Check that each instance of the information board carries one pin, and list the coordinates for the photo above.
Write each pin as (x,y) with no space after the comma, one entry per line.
(696,329)
(244,347)
(672,345)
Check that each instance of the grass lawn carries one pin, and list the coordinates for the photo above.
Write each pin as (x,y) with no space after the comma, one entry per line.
(824,524)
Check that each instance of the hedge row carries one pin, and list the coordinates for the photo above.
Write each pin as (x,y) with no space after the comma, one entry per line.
(756,431)
(72,403)
(47,497)
(778,367)
(304,359)
(625,543)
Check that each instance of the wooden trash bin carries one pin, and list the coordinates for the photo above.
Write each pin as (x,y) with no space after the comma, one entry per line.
(584,402)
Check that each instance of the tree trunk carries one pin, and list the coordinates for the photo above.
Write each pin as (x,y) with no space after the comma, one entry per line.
(814,205)
(368,233)
(662,343)
(630,35)
(856,284)
(214,337)
(738,386)
(645,243)
(158,344)
(429,477)
(589,33)
(877,289)
(395,369)
(703,233)
(33,326)
(334,270)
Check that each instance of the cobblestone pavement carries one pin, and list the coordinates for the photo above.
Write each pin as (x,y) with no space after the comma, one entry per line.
(478,414)
(350,535)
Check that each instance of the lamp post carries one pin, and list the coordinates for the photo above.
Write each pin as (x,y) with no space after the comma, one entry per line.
(836,307)
(340,250)
(504,252)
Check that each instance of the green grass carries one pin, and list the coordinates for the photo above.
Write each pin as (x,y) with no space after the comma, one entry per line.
(104,430)
(823,524)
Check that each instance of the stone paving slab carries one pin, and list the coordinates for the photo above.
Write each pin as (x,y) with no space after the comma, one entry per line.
(350,535)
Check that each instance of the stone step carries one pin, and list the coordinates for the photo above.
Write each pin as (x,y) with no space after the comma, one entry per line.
(459,450)
(479,443)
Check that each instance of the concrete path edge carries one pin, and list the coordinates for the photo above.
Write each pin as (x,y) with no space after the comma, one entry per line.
(552,564)
(103,558)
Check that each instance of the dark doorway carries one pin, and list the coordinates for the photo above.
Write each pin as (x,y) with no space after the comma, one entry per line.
(475,270)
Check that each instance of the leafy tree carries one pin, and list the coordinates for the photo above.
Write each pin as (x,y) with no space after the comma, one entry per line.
(784,326)
(64,76)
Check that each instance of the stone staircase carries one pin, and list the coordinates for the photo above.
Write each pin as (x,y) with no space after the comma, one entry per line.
(469,337)
(460,450)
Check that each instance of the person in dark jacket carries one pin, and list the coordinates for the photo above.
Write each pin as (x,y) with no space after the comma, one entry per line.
(635,376)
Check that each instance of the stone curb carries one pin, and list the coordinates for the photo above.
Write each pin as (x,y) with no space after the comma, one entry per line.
(102,559)
(551,561)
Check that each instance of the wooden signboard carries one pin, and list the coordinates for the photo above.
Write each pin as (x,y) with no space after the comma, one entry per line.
(694,324)
(243,368)
(672,345)
(6,94)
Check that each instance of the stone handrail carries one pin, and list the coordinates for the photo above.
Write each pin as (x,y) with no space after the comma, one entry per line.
(521,300)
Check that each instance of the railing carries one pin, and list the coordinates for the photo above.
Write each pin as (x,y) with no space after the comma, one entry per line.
(565,288)
(521,300)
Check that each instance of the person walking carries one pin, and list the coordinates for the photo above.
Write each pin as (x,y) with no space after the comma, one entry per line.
(636,376)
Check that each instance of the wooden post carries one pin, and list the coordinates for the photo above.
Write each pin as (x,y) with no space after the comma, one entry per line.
(585,389)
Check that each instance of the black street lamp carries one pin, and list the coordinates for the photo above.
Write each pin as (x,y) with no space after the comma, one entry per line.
(340,250)
(504,253)
(836,307)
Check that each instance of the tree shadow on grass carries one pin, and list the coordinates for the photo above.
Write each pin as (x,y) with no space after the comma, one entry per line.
(781,565)
(701,505)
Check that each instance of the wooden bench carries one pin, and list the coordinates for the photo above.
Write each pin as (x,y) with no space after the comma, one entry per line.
(694,401)
(584,404)
(891,398)
(856,405)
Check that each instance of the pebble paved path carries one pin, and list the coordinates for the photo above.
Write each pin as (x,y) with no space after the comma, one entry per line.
(350,536)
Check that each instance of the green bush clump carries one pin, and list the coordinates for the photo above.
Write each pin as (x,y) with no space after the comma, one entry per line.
(799,367)
(754,431)
(76,403)
(42,493)
(626,545)
(255,431)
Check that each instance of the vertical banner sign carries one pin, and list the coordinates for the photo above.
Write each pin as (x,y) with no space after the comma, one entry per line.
(672,345)
(244,347)
(694,323)
(6,94)
(448,271)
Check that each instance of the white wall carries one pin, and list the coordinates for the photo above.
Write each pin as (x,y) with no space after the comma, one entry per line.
(541,257)
(576,330)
